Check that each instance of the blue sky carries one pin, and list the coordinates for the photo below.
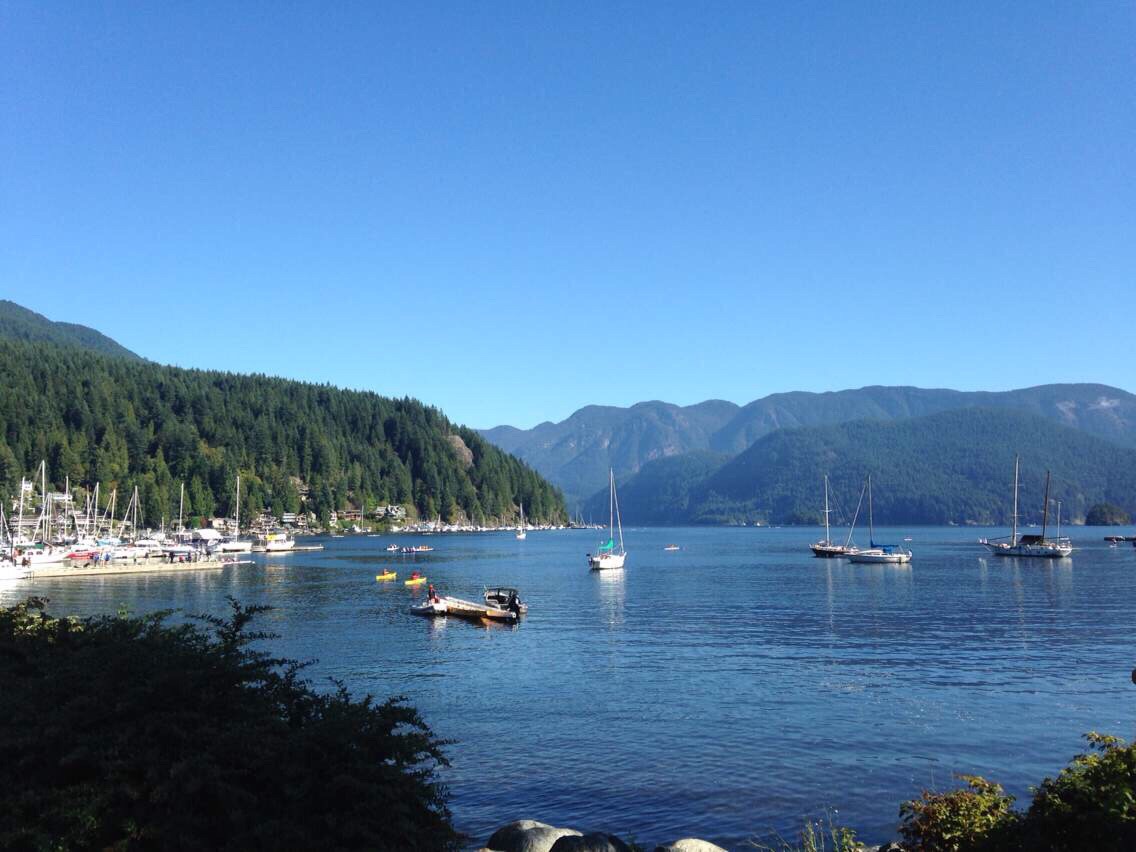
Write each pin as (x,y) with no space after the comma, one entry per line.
(513,210)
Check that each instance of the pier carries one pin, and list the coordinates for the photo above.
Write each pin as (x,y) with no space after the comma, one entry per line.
(142,566)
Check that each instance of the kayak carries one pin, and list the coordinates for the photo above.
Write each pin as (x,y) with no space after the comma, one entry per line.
(415,581)
(386,575)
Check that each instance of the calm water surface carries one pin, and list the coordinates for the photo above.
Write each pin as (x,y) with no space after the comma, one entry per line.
(724,691)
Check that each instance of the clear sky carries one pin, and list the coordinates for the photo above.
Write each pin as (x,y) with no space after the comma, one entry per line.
(511,210)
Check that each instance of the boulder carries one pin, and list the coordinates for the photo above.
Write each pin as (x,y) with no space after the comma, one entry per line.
(596,842)
(527,835)
(689,844)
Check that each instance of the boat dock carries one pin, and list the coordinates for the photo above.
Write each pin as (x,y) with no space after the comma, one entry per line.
(469,609)
(142,566)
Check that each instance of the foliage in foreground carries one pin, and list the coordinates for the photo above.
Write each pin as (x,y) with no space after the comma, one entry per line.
(1091,804)
(131,733)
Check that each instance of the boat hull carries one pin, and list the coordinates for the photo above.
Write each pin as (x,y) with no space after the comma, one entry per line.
(831,551)
(880,557)
(607,561)
(1030,551)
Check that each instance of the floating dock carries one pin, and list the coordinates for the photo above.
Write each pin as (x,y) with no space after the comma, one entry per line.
(125,566)
(469,609)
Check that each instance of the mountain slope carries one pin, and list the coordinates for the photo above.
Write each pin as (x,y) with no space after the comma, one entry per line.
(576,453)
(950,467)
(19,323)
(121,422)
(660,493)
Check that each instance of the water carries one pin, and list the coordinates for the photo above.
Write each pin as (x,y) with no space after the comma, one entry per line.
(725,691)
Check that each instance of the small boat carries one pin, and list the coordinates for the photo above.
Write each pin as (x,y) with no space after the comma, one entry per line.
(607,555)
(671,547)
(392,548)
(387,575)
(888,554)
(416,579)
(826,548)
(430,608)
(521,533)
(1031,545)
(503,597)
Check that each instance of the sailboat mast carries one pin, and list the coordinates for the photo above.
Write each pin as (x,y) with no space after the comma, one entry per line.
(855,516)
(181,503)
(619,521)
(827,538)
(611,502)
(871,527)
(1045,508)
(237,521)
(1014,520)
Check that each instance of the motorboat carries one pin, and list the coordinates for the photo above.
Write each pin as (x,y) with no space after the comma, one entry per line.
(503,597)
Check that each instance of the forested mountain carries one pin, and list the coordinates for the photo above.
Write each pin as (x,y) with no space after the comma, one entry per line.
(124,422)
(950,467)
(18,323)
(661,493)
(576,453)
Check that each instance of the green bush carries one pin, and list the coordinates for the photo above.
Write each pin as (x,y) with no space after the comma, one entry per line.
(958,820)
(1091,804)
(131,733)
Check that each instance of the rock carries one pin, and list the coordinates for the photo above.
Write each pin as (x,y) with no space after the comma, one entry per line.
(527,835)
(689,844)
(596,842)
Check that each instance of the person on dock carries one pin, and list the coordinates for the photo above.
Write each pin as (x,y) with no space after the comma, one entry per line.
(432,595)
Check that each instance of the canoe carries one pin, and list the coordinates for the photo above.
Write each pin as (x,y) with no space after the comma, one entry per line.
(415,581)
(386,575)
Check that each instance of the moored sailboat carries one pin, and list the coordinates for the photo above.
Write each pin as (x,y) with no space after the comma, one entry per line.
(879,553)
(1030,545)
(826,548)
(609,554)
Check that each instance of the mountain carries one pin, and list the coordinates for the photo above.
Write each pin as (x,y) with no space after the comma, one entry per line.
(661,493)
(950,467)
(126,422)
(18,323)
(575,454)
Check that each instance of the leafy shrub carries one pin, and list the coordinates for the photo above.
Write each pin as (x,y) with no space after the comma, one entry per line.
(130,733)
(1091,804)
(959,820)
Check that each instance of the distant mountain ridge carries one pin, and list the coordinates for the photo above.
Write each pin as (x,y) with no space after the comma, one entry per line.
(19,323)
(575,454)
(948,467)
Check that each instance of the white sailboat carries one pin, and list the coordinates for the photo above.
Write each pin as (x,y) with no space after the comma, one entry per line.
(236,544)
(879,553)
(1030,545)
(608,554)
(826,548)
(522,534)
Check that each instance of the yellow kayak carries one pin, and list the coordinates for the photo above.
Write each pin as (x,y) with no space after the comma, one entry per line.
(414,581)
(387,575)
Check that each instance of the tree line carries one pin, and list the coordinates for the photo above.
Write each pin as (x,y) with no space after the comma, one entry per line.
(122,423)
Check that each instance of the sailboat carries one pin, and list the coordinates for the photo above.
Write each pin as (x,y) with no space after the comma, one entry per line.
(608,554)
(825,548)
(1030,545)
(879,553)
(521,533)
(236,544)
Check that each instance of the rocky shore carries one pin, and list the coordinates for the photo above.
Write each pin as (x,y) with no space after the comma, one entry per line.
(527,835)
